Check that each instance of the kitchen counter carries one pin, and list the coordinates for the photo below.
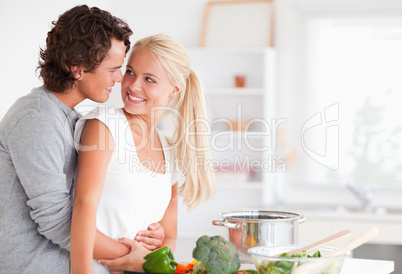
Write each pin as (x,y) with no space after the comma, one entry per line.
(351,266)
(361,266)
(185,247)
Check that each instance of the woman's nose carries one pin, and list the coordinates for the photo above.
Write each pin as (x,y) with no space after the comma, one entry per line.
(136,84)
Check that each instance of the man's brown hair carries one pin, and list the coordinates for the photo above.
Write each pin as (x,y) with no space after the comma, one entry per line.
(81,37)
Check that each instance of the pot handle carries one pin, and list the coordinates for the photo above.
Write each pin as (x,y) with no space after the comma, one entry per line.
(226,224)
(302,219)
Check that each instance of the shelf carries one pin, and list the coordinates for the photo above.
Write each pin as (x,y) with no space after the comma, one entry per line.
(234,91)
(231,107)
(257,185)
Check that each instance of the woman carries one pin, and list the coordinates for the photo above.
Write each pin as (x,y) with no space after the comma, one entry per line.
(128,168)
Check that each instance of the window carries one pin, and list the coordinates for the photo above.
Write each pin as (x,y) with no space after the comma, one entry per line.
(353,70)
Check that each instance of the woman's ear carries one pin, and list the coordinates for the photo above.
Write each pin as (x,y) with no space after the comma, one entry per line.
(76,71)
(175,91)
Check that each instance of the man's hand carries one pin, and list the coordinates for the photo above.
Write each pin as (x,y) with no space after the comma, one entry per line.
(132,261)
(152,238)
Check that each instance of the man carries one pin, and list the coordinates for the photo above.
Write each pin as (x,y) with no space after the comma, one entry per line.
(84,53)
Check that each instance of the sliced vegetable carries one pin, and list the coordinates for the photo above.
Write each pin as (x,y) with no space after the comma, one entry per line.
(247,271)
(284,267)
(183,268)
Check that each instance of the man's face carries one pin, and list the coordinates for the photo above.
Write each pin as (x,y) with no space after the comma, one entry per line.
(97,85)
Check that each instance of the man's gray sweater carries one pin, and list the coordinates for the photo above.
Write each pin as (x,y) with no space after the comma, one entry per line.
(37,169)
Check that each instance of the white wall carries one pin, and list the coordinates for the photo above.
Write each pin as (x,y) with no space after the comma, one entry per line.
(24,25)
(23,29)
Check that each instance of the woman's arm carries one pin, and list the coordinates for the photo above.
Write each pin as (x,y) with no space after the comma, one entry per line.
(151,238)
(134,260)
(169,220)
(108,248)
(95,153)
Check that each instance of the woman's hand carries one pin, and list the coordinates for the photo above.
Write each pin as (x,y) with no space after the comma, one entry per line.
(152,238)
(132,261)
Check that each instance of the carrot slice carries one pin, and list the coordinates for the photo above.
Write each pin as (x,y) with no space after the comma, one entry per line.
(182,268)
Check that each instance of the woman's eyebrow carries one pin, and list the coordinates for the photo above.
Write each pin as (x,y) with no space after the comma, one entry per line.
(152,75)
(146,73)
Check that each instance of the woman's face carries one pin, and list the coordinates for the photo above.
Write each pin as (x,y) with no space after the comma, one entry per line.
(145,83)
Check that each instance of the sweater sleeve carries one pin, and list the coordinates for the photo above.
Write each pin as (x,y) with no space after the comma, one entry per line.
(37,145)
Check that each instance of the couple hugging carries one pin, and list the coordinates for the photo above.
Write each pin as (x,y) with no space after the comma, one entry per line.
(70,200)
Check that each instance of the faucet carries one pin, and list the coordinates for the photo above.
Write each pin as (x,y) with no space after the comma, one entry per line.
(364,194)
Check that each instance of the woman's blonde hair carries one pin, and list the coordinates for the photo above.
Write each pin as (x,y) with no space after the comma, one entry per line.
(192,134)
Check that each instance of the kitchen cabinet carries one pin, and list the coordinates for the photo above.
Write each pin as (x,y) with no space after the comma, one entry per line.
(240,94)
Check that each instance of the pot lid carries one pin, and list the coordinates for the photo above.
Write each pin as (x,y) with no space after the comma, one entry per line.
(261,215)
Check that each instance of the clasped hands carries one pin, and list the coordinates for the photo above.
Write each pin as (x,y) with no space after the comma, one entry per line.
(144,242)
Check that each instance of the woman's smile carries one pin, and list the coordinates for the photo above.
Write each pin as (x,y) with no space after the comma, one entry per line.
(135,99)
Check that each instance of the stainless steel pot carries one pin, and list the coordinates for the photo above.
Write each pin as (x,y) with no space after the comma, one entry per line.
(260,228)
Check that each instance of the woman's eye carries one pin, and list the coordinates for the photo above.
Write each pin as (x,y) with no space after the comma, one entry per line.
(129,72)
(150,80)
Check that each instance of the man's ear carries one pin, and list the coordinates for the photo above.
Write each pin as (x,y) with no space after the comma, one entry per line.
(175,91)
(76,71)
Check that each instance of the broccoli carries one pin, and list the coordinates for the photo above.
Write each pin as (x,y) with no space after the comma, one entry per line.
(215,255)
